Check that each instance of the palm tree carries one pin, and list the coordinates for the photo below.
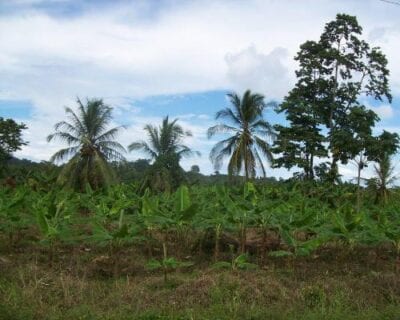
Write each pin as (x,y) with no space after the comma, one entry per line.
(247,144)
(384,177)
(165,148)
(91,145)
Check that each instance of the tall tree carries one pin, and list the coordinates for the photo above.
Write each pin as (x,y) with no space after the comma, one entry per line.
(298,144)
(10,138)
(247,145)
(351,69)
(334,74)
(91,145)
(165,148)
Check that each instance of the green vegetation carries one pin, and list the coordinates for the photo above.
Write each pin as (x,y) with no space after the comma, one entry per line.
(289,249)
(10,139)
(162,243)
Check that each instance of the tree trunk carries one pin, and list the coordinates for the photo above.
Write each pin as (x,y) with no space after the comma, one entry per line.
(165,255)
(312,167)
(360,164)
(333,172)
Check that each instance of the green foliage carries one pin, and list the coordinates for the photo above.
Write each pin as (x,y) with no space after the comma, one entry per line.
(10,139)
(324,109)
(13,209)
(53,212)
(240,262)
(167,265)
(303,217)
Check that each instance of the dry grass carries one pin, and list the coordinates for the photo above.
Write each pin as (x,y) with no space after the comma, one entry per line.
(83,283)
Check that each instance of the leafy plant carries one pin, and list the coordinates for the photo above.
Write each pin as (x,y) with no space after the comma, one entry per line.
(167,265)
(240,262)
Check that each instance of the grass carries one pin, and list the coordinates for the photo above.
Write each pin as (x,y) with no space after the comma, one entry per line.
(84,284)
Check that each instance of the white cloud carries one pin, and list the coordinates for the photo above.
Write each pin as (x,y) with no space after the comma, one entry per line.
(384,111)
(193,46)
(249,69)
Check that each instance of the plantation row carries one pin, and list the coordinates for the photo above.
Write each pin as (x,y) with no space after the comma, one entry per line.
(275,220)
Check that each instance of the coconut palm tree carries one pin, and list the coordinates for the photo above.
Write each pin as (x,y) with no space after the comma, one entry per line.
(247,144)
(380,150)
(165,148)
(91,145)
(384,177)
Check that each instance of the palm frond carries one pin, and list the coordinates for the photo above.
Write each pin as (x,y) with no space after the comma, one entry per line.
(220,128)
(143,146)
(260,162)
(64,154)
(265,148)
(65,126)
(228,114)
(77,123)
(110,134)
(64,137)
(221,150)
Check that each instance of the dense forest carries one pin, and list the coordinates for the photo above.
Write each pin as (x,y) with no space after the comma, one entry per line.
(88,213)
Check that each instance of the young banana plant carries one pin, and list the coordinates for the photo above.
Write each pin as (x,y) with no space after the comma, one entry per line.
(52,220)
(183,213)
(288,230)
(167,265)
(213,216)
(240,209)
(173,214)
(239,262)
(110,223)
(12,212)
(390,228)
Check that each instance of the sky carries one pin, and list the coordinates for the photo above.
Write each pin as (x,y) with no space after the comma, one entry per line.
(152,58)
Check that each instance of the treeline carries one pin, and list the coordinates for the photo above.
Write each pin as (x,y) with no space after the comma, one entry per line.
(328,123)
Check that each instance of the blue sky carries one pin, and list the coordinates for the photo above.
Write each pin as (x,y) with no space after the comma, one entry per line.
(179,58)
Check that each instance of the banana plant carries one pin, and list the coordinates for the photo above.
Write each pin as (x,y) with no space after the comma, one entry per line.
(111,225)
(240,209)
(289,228)
(52,219)
(347,226)
(390,227)
(167,265)
(13,215)
(115,233)
(264,220)
(173,213)
(299,247)
(183,213)
(213,216)
(240,262)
